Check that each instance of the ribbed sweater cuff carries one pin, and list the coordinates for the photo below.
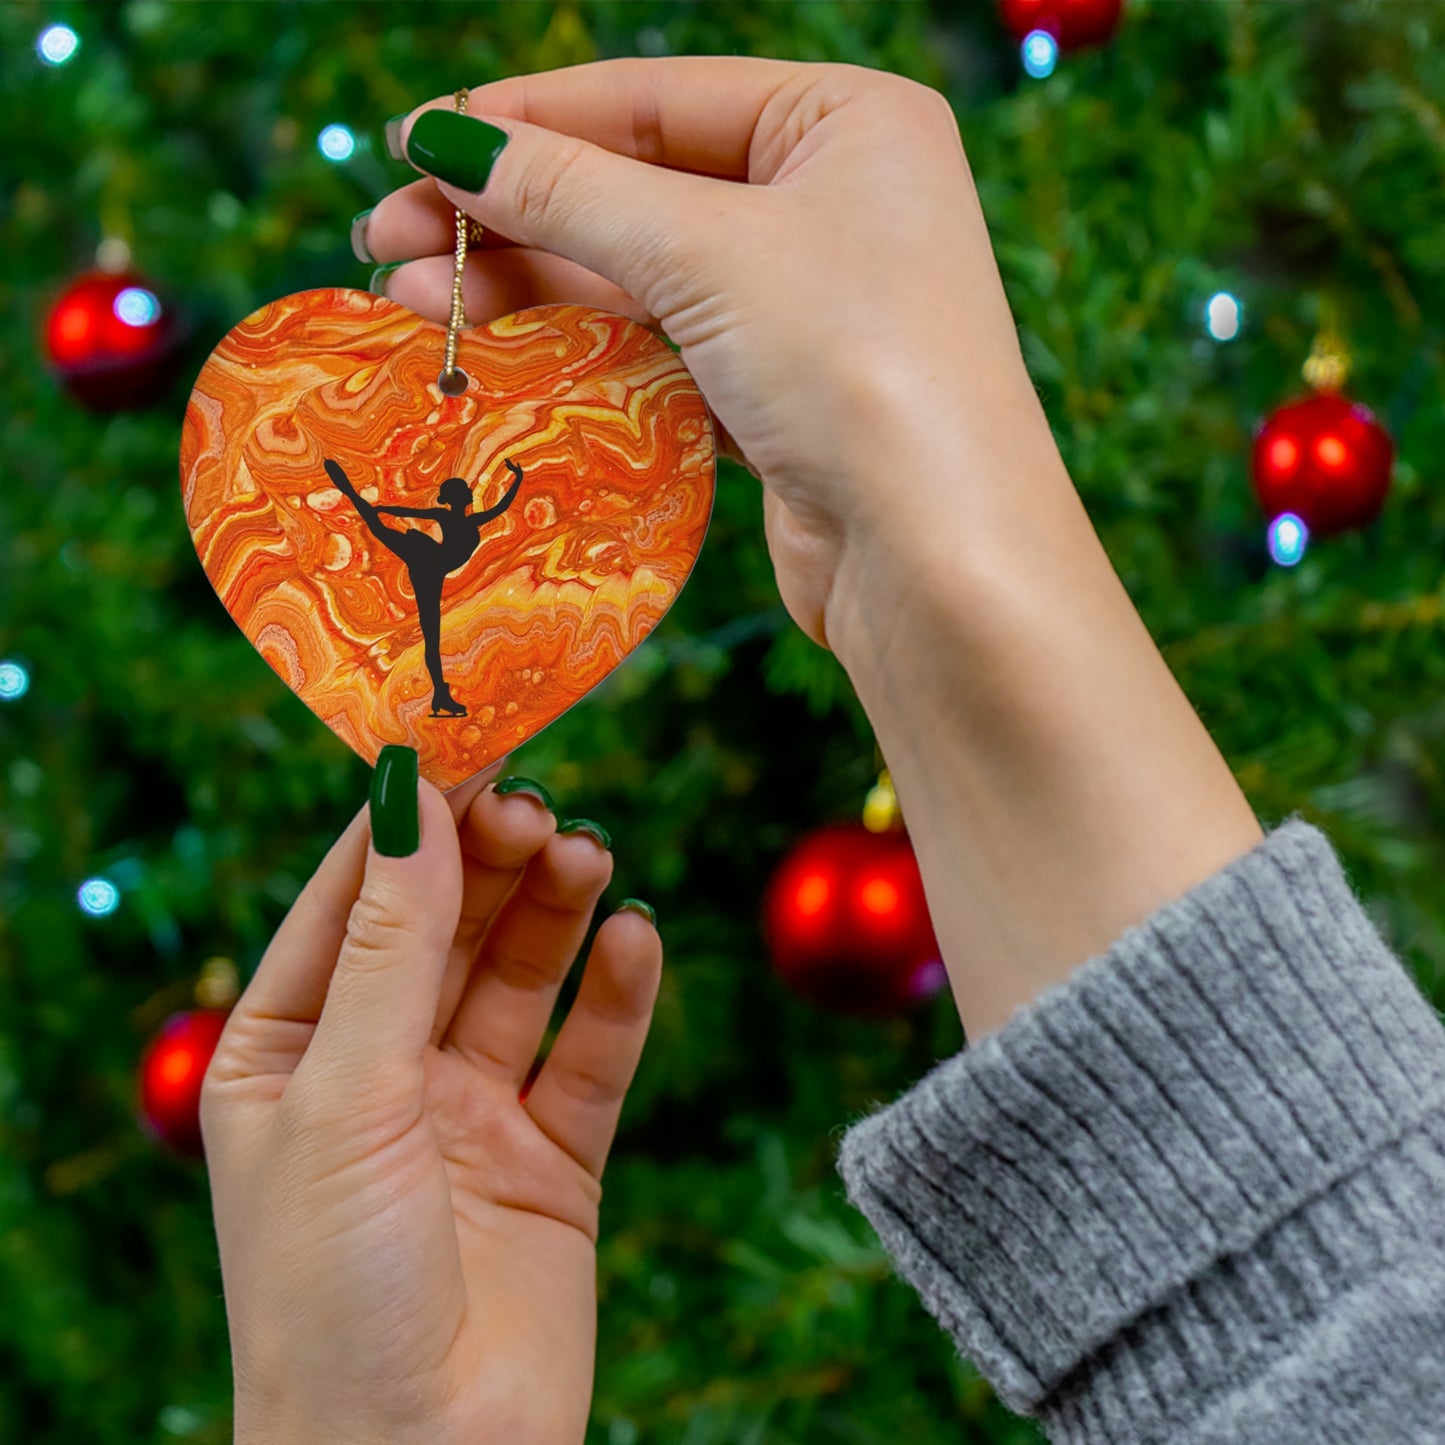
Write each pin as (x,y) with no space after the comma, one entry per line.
(1129,1172)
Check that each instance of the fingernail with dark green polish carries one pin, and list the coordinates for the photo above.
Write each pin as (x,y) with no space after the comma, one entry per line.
(526,785)
(377,284)
(586,825)
(393,136)
(395,825)
(455,148)
(359,248)
(636,905)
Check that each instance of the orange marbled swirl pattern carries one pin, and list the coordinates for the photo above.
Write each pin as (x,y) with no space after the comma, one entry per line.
(616,450)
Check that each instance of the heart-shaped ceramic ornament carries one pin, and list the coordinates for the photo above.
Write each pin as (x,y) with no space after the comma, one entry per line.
(449,572)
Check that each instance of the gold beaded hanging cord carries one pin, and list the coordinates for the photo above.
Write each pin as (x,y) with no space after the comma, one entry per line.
(452,380)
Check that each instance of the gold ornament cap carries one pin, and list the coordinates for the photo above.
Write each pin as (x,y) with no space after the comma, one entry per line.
(1328,365)
(881,812)
(219,985)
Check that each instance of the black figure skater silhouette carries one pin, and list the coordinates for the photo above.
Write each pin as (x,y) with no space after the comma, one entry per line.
(429,562)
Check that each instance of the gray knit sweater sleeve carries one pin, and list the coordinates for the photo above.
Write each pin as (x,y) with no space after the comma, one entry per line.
(1196,1192)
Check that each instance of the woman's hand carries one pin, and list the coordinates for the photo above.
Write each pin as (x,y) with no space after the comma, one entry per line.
(407,1247)
(811,237)
(808,235)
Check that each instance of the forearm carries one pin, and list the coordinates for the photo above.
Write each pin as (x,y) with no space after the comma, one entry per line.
(1056,782)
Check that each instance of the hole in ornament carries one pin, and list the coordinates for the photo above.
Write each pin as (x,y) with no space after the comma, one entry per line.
(454,382)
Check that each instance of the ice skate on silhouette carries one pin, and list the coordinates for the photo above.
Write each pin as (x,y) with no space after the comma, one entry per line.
(430,562)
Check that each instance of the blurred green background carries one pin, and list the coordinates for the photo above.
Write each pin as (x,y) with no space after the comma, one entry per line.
(1292,154)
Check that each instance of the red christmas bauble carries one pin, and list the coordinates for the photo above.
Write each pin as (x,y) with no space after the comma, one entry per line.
(171,1071)
(111,341)
(847,924)
(1073,23)
(1324,458)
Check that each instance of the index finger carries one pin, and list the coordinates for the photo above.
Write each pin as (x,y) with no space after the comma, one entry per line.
(696,113)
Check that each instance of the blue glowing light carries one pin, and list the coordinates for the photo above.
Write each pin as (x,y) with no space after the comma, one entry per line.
(136,306)
(14,681)
(1288,537)
(336,143)
(1223,316)
(98,897)
(57,44)
(1040,52)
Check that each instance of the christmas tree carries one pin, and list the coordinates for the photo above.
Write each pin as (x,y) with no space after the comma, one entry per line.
(1180,215)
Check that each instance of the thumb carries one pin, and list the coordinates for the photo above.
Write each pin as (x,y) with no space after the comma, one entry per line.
(633,223)
(382,1000)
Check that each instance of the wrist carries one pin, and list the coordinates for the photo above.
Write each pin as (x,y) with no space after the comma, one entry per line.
(1056,782)
(951,473)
